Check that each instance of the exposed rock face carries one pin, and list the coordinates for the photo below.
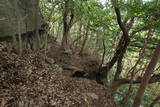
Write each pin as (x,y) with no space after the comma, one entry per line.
(14,11)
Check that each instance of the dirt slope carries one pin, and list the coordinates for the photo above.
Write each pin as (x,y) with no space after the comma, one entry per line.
(35,81)
(72,62)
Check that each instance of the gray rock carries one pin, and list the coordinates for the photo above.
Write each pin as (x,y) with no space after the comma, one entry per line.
(12,11)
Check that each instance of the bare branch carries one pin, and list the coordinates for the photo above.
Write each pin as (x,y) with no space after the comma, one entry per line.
(138,30)
(155,78)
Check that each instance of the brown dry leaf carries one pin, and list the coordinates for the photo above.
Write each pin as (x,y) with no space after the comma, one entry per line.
(33,81)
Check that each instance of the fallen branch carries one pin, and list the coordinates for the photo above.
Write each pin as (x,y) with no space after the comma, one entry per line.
(155,78)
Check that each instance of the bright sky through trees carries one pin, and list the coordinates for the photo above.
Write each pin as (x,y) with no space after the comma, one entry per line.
(103,1)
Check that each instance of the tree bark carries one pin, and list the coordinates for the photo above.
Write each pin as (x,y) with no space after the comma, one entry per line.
(67,24)
(58,31)
(20,38)
(119,61)
(37,25)
(65,38)
(120,50)
(48,29)
(85,40)
(79,35)
(104,52)
(146,77)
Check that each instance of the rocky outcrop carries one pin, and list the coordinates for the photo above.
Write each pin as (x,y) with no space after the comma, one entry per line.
(14,11)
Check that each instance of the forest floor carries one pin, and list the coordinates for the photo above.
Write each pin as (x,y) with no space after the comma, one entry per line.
(72,63)
(34,80)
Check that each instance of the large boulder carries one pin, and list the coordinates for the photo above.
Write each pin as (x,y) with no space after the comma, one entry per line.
(13,11)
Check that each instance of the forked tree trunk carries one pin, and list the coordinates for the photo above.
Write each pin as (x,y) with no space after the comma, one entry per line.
(120,50)
(146,77)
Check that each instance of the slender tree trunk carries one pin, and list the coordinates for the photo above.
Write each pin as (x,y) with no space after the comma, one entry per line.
(20,38)
(48,31)
(80,29)
(132,71)
(65,38)
(46,44)
(126,98)
(77,39)
(146,77)
(37,25)
(119,61)
(121,48)
(119,67)
(85,41)
(15,42)
(104,52)
(83,44)
(79,35)
(58,30)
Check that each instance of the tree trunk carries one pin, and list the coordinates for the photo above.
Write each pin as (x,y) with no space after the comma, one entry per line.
(120,50)
(85,40)
(20,38)
(37,25)
(15,42)
(57,32)
(65,38)
(79,36)
(119,61)
(67,24)
(146,77)
(104,52)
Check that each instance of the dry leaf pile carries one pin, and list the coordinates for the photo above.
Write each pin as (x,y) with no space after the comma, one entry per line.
(33,81)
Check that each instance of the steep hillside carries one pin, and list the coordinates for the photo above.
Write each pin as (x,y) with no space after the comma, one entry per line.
(34,80)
